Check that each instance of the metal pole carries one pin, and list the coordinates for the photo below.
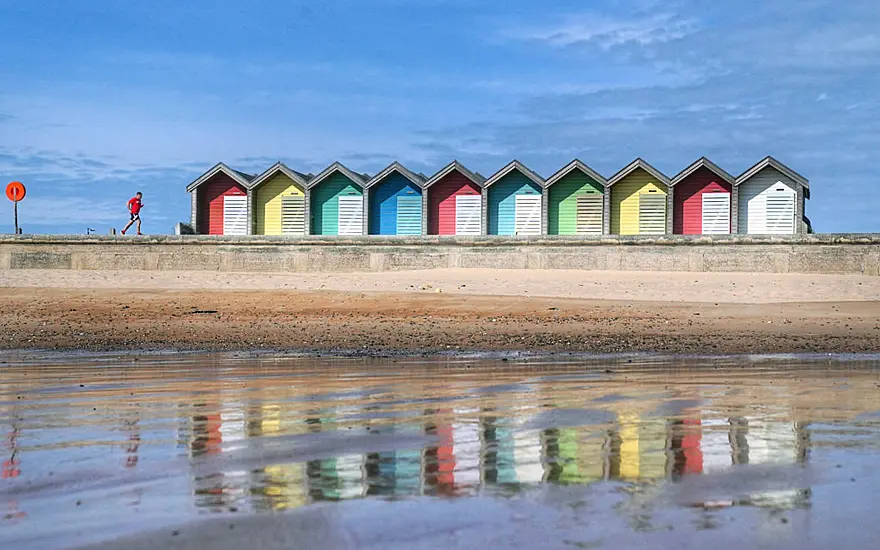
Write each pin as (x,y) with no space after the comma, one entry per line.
(15,208)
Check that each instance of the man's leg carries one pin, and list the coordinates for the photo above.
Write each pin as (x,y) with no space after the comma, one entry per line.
(127,226)
(139,225)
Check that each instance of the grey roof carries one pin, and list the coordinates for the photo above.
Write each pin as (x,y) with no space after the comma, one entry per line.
(239,177)
(395,166)
(246,176)
(574,165)
(773,163)
(459,167)
(703,162)
(333,168)
(518,166)
(297,178)
(634,165)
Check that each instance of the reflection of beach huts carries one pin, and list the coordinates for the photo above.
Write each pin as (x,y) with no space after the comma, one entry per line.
(638,199)
(213,430)
(574,455)
(220,201)
(771,199)
(498,463)
(439,459)
(513,200)
(338,478)
(575,197)
(528,456)
(467,451)
(701,198)
(716,443)
(284,483)
(454,201)
(685,453)
(641,445)
(398,472)
(336,202)
(394,198)
(773,441)
(278,199)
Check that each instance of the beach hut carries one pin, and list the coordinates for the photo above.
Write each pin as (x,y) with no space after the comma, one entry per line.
(394,199)
(336,202)
(219,200)
(278,199)
(513,201)
(771,199)
(701,200)
(638,197)
(454,201)
(575,197)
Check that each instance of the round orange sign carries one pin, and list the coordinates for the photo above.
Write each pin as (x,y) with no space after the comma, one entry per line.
(15,191)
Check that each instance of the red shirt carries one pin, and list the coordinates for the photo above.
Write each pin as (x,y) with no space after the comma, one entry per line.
(135,205)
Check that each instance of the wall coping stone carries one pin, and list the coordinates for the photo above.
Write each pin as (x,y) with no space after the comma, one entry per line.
(485,241)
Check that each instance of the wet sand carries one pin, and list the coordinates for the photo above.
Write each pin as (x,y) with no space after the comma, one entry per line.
(218,451)
(441,310)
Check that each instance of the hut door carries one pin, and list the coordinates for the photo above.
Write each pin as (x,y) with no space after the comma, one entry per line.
(780,209)
(527,219)
(409,215)
(351,215)
(468,211)
(589,214)
(716,213)
(293,215)
(235,215)
(652,214)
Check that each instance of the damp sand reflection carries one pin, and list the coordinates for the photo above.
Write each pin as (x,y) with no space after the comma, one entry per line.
(97,449)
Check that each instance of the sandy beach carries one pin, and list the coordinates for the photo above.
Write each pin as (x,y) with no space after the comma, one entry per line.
(441,310)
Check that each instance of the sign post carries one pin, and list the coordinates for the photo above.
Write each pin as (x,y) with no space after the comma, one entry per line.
(15,192)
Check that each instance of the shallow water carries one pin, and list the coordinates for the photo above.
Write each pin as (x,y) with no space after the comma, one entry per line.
(95,448)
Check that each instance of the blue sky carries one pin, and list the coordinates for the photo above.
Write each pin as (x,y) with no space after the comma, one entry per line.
(100,98)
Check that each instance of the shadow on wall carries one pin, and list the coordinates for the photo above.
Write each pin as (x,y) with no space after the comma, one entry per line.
(184,229)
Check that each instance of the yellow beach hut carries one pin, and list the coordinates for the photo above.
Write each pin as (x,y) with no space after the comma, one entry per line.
(638,196)
(278,198)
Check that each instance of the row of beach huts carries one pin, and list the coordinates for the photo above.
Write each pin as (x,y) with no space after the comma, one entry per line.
(703,199)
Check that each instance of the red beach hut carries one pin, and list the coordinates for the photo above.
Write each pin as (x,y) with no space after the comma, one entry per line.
(455,201)
(220,201)
(702,200)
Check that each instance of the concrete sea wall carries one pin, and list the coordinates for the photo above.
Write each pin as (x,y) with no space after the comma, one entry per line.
(833,254)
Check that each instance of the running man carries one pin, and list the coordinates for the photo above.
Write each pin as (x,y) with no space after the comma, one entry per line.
(134,208)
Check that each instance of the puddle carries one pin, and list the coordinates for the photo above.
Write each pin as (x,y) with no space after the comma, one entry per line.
(427,454)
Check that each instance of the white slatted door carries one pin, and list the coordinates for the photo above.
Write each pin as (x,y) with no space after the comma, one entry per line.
(780,210)
(293,215)
(351,215)
(527,218)
(652,214)
(409,215)
(716,213)
(235,215)
(589,214)
(468,214)
(756,212)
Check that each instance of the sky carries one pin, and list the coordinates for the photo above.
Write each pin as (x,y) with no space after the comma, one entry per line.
(100,98)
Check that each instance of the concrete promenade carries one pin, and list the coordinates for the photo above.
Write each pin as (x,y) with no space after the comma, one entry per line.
(817,253)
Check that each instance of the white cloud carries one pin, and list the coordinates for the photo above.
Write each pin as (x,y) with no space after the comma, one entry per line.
(608,33)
